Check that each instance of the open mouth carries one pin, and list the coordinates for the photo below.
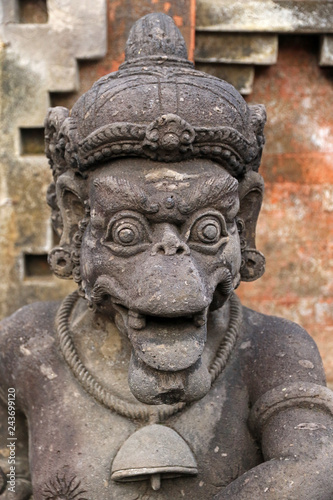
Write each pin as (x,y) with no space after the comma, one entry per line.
(165,343)
(139,321)
(166,365)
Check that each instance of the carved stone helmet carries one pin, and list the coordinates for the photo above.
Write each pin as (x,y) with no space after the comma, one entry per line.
(156,106)
(159,107)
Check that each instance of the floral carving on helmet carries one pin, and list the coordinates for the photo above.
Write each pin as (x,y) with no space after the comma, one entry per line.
(168,137)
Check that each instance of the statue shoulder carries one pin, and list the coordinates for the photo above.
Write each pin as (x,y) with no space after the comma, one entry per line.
(29,318)
(281,352)
(25,335)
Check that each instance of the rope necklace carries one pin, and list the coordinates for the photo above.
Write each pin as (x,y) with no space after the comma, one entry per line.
(138,411)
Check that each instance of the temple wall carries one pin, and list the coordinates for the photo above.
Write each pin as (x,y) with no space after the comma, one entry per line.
(279,53)
(295,230)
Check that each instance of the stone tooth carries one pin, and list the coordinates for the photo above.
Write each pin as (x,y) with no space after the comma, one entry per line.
(136,320)
(199,319)
(155,481)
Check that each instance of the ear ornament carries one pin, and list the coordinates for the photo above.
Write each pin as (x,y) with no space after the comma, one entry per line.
(61,263)
(253,264)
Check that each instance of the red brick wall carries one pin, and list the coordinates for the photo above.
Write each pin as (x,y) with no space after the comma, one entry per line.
(295,229)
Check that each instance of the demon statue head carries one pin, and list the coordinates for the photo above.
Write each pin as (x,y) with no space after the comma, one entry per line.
(155,197)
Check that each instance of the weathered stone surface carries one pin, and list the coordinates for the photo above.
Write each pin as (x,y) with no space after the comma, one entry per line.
(51,50)
(36,59)
(279,16)
(235,48)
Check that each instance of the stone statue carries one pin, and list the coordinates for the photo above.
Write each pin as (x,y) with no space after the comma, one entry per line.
(152,381)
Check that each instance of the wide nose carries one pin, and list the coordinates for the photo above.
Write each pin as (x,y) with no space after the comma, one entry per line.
(169,242)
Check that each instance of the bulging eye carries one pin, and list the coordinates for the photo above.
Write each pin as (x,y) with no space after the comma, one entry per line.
(208,232)
(127,234)
(208,229)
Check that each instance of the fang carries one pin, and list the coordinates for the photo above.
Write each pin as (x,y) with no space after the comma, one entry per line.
(136,321)
(199,319)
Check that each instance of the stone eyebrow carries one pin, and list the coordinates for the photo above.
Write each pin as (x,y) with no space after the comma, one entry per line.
(123,194)
(210,191)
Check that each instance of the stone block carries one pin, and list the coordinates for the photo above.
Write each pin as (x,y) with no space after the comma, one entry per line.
(265,16)
(235,48)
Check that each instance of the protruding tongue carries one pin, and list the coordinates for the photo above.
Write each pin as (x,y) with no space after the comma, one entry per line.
(168,344)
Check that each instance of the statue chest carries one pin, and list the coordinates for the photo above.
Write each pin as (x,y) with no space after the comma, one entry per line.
(75,441)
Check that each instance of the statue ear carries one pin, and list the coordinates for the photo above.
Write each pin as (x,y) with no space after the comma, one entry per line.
(70,195)
(251,190)
(54,144)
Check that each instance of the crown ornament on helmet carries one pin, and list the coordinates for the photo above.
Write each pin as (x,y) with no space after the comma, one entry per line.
(156,106)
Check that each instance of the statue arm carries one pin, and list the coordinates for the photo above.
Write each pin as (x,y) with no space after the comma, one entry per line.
(25,337)
(15,481)
(297,446)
